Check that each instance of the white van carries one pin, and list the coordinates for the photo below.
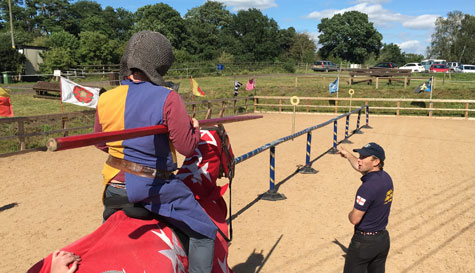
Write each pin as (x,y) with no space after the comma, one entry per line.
(453,66)
(427,63)
(466,68)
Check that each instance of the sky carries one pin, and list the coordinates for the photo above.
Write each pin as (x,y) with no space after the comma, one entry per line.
(407,23)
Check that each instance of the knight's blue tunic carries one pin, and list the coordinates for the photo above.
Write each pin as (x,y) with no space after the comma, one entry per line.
(133,105)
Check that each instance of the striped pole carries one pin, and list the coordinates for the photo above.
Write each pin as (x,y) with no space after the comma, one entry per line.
(272,168)
(347,125)
(357,130)
(309,146)
(335,130)
(307,169)
(272,194)
(367,116)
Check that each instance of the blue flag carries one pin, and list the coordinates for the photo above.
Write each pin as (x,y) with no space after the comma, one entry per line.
(333,86)
(427,86)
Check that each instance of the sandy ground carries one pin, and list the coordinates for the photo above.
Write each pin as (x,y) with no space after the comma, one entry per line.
(51,199)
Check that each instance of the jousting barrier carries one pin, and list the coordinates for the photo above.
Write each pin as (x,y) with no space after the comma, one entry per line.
(272,193)
(70,142)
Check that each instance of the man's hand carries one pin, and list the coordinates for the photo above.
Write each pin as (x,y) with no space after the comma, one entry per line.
(343,152)
(196,123)
(351,158)
(61,260)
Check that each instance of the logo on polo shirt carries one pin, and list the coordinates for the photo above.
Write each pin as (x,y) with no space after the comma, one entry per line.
(360,200)
(389,196)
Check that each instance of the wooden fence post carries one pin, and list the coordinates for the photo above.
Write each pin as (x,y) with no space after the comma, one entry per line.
(235,108)
(296,82)
(405,82)
(223,108)
(466,110)
(21,133)
(377,82)
(210,110)
(308,105)
(397,110)
(255,104)
(280,105)
(430,107)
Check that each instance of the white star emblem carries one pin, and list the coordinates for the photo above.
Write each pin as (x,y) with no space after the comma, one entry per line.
(174,251)
(211,140)
(194,169)
(223,265)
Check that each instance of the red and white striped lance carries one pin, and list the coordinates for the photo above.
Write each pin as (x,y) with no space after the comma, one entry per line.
(70,142)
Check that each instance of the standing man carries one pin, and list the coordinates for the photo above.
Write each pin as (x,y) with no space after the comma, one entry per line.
(369,245)
(142,168)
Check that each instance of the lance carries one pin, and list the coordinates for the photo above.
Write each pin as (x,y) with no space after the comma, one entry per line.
(70,142)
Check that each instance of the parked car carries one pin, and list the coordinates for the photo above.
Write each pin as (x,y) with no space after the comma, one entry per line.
(439,68)
(414,67)
(466,68)
(324,66)
(453,66)
(384,65)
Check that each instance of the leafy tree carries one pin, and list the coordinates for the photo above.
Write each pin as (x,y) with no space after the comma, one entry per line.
(18,14)
(445,44)
(57,58)
(205,24)
(466,40)
(391,53)
(47,15)
(10,59)
(413,58)
(254,37)
(63,40)
(95,48)
(121,22)
(349,36)
(303,48)
(164,19)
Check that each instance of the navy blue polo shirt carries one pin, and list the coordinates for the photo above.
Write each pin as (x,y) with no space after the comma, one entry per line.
(375,197)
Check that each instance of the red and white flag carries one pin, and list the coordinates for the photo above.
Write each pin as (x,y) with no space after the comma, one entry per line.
(360,200)
(74,93)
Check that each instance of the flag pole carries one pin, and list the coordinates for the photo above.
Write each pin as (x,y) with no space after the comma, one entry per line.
(191,80)
(431,87)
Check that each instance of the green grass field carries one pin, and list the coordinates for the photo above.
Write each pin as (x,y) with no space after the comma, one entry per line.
(310,84)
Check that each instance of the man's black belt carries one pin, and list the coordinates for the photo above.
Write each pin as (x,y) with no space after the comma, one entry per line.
(368,233)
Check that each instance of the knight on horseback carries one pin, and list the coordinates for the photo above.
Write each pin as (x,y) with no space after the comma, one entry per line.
(141,169)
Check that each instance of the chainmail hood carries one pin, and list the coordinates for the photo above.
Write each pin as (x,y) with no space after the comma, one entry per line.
(150,52)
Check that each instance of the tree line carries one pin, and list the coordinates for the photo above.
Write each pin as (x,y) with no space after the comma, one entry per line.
(83,33)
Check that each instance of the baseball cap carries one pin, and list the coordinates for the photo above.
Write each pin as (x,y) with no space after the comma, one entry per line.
(371,149)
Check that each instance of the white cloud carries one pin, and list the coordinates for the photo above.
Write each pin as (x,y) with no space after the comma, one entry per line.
(412,46)
(426,21)
(246,4)
(373,1)
(380,16)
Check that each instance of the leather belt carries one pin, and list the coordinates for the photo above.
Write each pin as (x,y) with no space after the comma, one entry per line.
(368,233)
(137,169)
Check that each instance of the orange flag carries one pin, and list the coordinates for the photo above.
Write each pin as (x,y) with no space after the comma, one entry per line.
(6,109)
(195,88)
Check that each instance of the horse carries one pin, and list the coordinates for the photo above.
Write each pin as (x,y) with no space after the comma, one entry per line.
(126,244)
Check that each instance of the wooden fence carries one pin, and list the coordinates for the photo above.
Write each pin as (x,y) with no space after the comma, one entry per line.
(312,104)
(23,128)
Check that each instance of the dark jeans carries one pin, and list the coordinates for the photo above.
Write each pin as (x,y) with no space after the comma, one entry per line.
(367,253)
